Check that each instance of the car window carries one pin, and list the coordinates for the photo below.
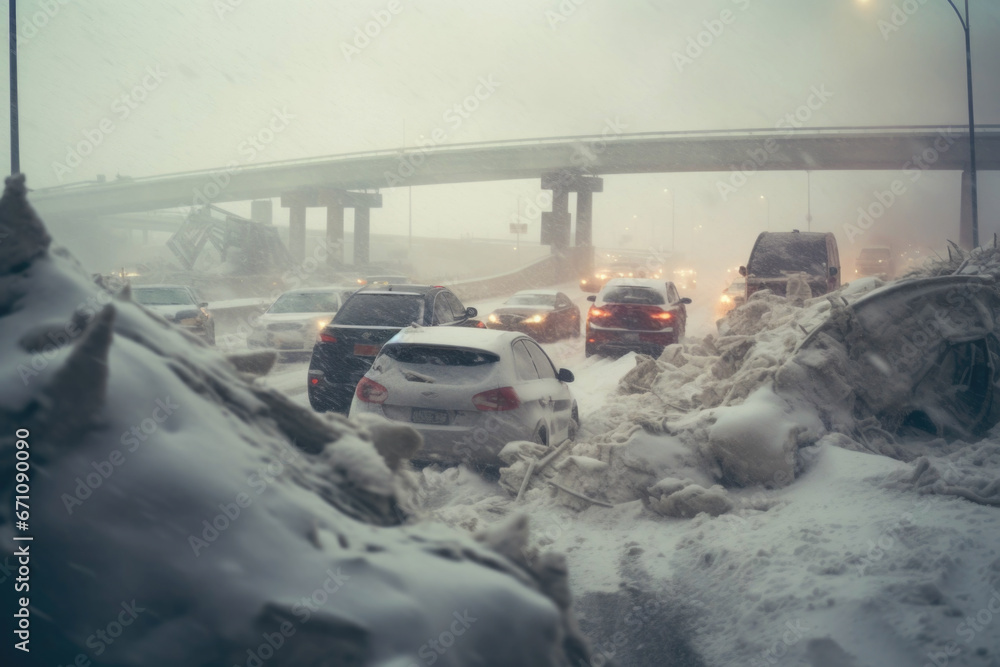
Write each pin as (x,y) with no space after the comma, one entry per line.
(442,310)
(457,309)
(382,309)
(404,363)
(777,254)
(637,295)
(541,360)
(163,296)
(529,300)
(306,302)
(672,295)
(523,364)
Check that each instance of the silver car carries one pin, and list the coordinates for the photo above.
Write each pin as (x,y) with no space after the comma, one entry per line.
(295,319)
(180,305)
(469,392)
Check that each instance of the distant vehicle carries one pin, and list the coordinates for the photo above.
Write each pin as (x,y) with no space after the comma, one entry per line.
(294,320)
(635,315)
(384,279)
(777,255)
(618,270)
(469,392)
(545,315)
(370,317)
(179,304)
(875,262)
(733,296)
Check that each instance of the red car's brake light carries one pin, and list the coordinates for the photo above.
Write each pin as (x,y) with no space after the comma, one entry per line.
(666,316)
(497,400)
(324,337)
(371,391)
(597,313)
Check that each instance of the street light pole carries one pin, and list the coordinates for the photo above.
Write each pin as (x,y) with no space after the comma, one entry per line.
(15,149)
(966,26)
(673,225)
(767,205)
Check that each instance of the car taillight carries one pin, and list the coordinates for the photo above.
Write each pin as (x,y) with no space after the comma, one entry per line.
(325,337)
(497,400)
(371,391)
(480,325)
(664,316)
(597,313)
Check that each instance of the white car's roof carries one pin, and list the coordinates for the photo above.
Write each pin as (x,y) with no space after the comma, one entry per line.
(490,340)
(543,292)
(319,290)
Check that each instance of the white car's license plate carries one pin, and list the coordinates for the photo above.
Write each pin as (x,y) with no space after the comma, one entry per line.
(420,416)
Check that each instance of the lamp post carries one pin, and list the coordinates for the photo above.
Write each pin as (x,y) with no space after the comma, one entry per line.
(767,205)
(972,120)
(673,221)
(15,158)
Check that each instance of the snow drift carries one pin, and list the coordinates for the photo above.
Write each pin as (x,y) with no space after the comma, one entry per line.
(182,516)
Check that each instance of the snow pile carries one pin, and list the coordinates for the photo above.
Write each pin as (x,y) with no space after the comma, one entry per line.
(182,516)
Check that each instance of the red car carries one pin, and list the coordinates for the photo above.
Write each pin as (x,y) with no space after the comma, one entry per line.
(635,315)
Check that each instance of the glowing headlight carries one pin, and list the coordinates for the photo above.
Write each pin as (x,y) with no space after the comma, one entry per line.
(535,319)
(725,298)
(602,276)
(321,323)
(493,318)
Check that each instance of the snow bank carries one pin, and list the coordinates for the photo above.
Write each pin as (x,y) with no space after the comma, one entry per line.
(230,525)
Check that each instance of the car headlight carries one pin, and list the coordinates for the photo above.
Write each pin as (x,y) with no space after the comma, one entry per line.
(322,323)
(726,299)
(204,311)
(493,318)
(535,319)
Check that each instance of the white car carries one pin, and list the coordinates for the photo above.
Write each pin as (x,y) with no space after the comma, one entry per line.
(295,319)
(469,392)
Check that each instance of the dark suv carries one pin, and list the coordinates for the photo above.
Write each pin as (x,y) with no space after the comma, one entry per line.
(371,316)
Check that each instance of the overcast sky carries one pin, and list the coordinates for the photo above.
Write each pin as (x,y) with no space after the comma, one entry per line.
(178,85)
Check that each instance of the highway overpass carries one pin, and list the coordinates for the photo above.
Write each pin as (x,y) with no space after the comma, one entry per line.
(563,161)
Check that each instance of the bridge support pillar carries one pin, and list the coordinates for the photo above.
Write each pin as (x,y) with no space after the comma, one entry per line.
(335,201)
(297,231)
(334,233)
(262,210)
(362,235)
(965,214)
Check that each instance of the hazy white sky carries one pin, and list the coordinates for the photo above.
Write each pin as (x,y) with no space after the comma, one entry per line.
(177,85)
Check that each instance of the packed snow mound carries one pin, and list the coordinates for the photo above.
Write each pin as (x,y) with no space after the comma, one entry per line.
(182,516)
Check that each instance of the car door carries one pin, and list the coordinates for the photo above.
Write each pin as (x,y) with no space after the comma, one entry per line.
(535,393)
(560,404)
(569,315)
(673,296)
(442,310)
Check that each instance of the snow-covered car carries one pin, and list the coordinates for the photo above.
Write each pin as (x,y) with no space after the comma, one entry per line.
(295,319)
(180,305)
(542,314)
(635,315)
(733,296)
(777,256)
(469,392)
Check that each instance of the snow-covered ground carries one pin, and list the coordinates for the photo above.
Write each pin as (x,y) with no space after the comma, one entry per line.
(846,566)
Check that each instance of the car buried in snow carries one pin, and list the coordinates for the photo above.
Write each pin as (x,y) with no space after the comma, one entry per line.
(635,315)
(545,315)
(350,342)
(776,256)
(294,320)
(468,392)
(180,305)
